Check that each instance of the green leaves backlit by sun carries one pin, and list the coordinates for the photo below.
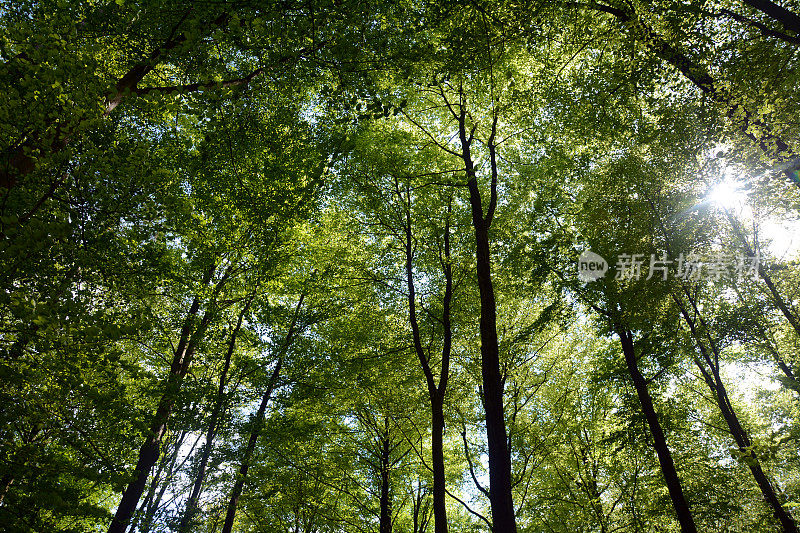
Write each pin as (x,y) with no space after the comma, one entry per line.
(310,266)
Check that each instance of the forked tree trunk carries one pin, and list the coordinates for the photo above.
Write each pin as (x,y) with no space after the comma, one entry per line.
(500,495)
(436,393)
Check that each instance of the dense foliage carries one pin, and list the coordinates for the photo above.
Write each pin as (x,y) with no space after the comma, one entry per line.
(316,266)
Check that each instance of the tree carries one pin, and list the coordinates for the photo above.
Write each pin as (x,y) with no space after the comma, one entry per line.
(426,175)
(397,186)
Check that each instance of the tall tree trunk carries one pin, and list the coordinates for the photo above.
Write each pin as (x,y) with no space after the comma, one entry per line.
(740,436)
(149,452)
(151,493)
(238,486)
(258,422)
(437,463)
(499,456)
(385,524)
(744,443)
(420,509)
(436,393)
(211,432)
(659,440)
(500,495)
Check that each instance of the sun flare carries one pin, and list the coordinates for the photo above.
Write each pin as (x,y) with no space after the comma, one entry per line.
(726,195)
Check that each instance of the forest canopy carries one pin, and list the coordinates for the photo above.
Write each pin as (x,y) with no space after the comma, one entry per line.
(399,266)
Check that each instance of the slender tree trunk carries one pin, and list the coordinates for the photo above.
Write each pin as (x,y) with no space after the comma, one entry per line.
(659,440)
(385,525)
(420,509)
(437,406)
(415,511)
(149,452)
(258,422)
(742,440)
(435,393)
(238,487)
(211,432)
(152,506)
(739,434)
(148,499)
